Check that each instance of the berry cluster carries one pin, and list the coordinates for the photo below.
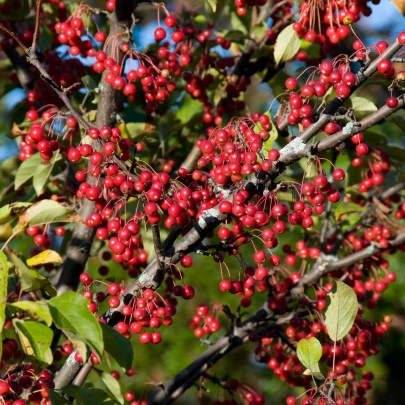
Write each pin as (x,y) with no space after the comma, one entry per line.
(328,21)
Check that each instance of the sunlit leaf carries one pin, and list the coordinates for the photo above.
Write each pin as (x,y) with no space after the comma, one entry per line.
(347,208)
(47,256)
(6,230)
(10,211)
(113,385)
(70,314)
(361,104)
(287,44)
(341,311)
(213,4)
(36,339)
(39,309)
(26,170)
(273,135)
(30,279)
(309,352)
(43,172)
(45,212)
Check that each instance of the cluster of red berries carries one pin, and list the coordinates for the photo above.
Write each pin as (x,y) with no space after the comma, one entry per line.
(37,140)
(148,310)
(348,358)
(204,323)
(35,388)
(328,21)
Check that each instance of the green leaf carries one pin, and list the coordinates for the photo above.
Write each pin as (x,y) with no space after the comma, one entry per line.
(10,211)
(47,256)
(89,83)
(57,399)
(3,294)
(200,20)
(31,280)
(235,36)
(26,170)
(113,386)
(220,7)
(70,314)
(312,49)
(259,30)
(237,23)
(309,352)
(316,372)
(117,346)
(188,109)
(348,222)
(42,173)
(39,309)
(342,310)
(361,104)
(45,38)
(89,396)
(138,130)
(36,339)
(45,212)
(287,45)
(213,4)
(346,208)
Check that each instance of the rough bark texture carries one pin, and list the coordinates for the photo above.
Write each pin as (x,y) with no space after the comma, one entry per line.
(78,250)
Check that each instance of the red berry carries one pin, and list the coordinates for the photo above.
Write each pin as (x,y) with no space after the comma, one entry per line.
(170,21)
(160,34)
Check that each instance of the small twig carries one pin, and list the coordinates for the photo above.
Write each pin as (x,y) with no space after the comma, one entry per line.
(36,31)
(16,39)
(83,373)
(158,246)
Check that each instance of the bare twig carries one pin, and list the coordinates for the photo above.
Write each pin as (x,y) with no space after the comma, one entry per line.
(158,246)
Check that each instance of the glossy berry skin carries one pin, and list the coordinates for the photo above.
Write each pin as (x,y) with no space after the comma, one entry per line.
(4,388)
(391,102)
(160,34)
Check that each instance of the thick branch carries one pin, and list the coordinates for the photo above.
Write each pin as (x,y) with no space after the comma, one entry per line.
(78,250)
(338,138)
(79,247)
(175,387)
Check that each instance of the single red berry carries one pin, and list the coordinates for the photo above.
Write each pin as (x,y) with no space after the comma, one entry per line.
(160,34)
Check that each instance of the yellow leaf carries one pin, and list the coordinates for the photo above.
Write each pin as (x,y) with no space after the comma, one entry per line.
(47,256)
(18,131)
(25,343)
(5,232)
(400,5)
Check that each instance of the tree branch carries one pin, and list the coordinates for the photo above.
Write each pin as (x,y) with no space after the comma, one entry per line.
(329,264)
(259,322)
(77,253)
(79,246)
(336,103)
